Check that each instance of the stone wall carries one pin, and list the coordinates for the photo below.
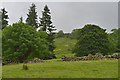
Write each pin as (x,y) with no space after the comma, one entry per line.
(91,57)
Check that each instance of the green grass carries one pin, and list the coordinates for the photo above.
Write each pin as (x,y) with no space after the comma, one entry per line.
(75,69)
(55,68)
(64,47)
(116,53)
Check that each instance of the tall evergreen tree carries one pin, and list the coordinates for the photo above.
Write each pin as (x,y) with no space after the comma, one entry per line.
(4,18)
(47,26)
(0,20)
(32,16)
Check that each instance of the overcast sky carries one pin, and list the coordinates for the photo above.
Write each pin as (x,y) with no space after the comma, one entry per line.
(67,16)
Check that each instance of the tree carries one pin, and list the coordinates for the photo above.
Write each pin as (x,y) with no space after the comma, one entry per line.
(67,35)
(75,34)
(32,16)
(0,20)
(118,46)
(0,35)
(46,24)
(21,19)
(60,34)
(21,42)
(113,39)
(92,39)
(4,18)
(0,44)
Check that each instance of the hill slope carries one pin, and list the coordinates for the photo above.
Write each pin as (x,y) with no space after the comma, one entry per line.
(64,47)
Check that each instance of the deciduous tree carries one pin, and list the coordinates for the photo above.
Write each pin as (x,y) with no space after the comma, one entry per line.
(92,39)
(21,41)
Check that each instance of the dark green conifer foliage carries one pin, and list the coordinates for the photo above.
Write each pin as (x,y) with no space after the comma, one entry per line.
(46,25)
(32,16)
(4,18)
(0,20)
(21,19)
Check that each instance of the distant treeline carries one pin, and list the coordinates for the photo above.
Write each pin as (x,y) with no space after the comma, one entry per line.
(73,35)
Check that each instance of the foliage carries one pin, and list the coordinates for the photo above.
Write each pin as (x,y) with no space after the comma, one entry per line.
(113,39)
(118,46)
(67,35)
(60,34)
(4,18)
(32,16)
(47,26)
(45,21)
(21,41)
(0,20)
(21,19)
(92,39)
(75,33)
(0,44)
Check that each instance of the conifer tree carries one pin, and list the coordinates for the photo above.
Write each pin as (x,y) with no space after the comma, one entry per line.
(21,19)
(32,16)
(4,18)
(46,25)
(0,20)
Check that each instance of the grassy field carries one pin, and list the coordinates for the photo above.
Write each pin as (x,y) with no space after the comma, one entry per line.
(68,69)
(75,69)
(64,47)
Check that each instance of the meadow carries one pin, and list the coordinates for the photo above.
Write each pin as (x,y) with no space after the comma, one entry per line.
(68,69)
(60,69)
(64,47)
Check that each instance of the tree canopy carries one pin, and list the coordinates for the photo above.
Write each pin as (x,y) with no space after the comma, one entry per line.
(74,34)
(21,41)
(46,25)
(60,34)
(92,39)
(4,18)
(32,16)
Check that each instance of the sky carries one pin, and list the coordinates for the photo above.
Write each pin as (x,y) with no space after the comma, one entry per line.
(67,16)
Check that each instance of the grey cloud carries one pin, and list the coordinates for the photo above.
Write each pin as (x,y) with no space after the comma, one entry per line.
(67,16)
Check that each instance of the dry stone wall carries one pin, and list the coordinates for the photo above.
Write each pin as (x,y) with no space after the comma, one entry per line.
(91,57)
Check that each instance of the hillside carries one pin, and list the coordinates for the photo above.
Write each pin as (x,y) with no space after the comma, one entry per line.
(64,47)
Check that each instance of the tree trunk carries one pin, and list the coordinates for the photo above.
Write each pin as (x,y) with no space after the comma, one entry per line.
(27,54)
